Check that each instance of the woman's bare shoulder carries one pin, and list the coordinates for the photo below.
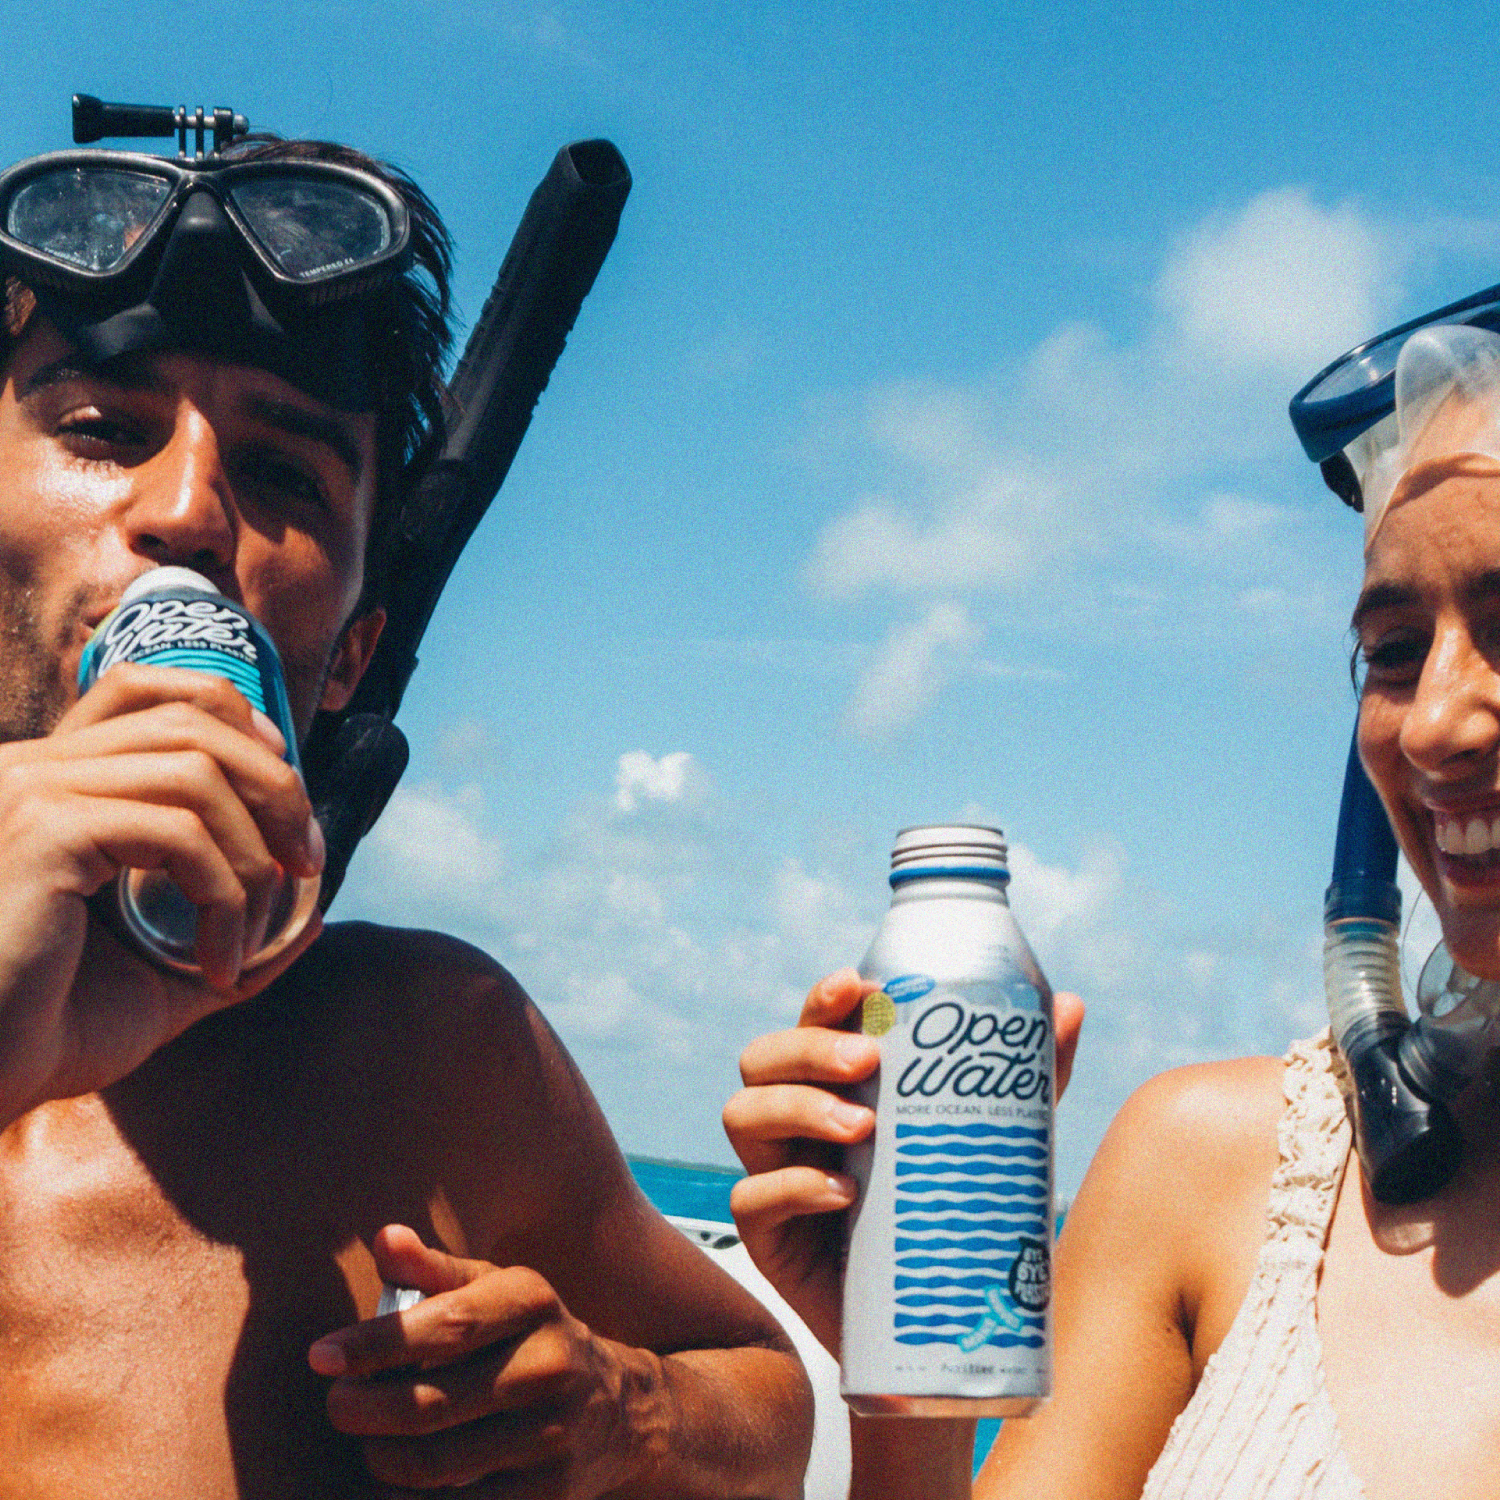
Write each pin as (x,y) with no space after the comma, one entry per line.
(1204,1110)
(1196,1135)
(1186,1145)
(1181,1179)
(1157,1251)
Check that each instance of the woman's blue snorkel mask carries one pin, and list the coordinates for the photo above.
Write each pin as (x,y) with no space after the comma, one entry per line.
(1366,420)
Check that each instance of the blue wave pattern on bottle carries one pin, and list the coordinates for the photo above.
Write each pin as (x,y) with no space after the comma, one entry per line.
(980,1190)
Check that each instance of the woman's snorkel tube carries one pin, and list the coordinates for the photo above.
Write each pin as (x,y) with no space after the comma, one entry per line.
(1407,1141)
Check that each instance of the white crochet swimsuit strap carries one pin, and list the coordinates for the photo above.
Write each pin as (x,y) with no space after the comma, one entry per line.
(1260,1425)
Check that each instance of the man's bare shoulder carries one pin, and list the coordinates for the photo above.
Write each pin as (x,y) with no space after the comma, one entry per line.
(410,999)
(466,1082)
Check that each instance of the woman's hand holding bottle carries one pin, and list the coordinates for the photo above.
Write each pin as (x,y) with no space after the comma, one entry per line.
(789,1126)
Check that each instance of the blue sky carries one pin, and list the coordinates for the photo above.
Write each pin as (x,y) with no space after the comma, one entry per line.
(920,454)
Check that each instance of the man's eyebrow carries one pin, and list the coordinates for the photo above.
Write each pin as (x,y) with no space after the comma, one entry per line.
(124,374)
(142,375)
(298,421)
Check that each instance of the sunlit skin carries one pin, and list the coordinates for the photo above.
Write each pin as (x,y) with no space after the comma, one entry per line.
(1428,623)
(1162,1240)
(203,1184)
(179,458)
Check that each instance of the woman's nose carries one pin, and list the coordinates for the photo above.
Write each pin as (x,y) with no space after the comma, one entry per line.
(1454,718)
(181,507)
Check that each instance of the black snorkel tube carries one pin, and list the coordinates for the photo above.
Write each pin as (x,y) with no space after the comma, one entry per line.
(354,760)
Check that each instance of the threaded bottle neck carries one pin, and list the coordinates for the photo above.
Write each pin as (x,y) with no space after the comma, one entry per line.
(950,851)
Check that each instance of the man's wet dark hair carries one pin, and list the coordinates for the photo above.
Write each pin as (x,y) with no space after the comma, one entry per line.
(408,336)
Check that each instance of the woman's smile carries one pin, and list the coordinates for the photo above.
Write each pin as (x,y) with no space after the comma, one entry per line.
(1468,847)
(1429,732)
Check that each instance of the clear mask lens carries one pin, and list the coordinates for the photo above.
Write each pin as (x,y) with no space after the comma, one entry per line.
(311,226)
(1378,361)
(1359,374)
(88,218)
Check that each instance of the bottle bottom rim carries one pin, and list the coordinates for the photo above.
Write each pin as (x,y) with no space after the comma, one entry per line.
(943,1406)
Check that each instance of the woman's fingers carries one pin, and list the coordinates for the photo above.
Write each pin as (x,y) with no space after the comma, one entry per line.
(810,1054)
(830,1000)
(1067,1017)
(761,1203)
(761,1121)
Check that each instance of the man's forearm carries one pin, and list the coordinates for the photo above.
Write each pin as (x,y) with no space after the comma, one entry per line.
(722,1423)
(908,1458)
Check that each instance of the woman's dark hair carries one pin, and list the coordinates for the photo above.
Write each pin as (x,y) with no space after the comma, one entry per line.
(408,334)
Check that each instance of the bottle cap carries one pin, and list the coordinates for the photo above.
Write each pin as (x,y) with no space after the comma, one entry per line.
(959,851)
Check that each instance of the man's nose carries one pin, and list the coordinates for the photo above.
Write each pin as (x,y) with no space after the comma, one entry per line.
(1454,718)
(181,505)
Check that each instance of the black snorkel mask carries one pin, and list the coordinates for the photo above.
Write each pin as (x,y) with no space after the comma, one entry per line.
(1356,420)
(265,262)
(278,263)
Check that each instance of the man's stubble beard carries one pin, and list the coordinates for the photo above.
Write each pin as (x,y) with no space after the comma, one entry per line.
(34,694)
(35,691)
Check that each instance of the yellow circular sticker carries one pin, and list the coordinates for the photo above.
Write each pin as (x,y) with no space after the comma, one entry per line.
(879,1014)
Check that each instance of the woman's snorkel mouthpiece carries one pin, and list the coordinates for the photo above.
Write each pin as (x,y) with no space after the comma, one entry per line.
(1407,1141)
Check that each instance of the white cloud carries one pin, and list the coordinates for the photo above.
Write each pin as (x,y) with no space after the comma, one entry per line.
(467,743)
(436,841)
(674,778)
(963,511)
(1227,521)
(1282,284)
(910,669)
(1099,465)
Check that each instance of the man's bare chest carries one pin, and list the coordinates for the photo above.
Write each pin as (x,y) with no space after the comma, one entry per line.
(140,1344)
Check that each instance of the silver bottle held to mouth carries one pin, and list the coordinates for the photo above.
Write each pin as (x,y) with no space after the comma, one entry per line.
(174,617)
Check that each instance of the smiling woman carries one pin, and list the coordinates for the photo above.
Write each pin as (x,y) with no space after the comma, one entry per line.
(1236,1315)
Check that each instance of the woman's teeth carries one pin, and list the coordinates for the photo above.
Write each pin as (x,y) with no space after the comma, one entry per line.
(1471,836)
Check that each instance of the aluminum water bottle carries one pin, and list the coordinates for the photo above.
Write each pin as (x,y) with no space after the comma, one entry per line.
(947,1285)
(174,617)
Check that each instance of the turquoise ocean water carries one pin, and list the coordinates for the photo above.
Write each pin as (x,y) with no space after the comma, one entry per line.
(694,1191)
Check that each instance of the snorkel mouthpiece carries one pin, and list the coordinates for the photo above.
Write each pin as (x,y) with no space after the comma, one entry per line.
(1407,1142)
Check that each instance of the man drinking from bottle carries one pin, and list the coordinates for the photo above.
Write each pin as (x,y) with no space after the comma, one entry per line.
(232,365)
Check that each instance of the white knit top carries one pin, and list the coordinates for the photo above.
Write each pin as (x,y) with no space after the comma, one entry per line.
(1260,1425)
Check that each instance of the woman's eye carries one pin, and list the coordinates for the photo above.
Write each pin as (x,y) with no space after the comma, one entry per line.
(271,474)
(1393,658)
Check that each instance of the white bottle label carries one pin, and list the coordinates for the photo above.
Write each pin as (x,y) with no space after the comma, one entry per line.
(948,1282)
